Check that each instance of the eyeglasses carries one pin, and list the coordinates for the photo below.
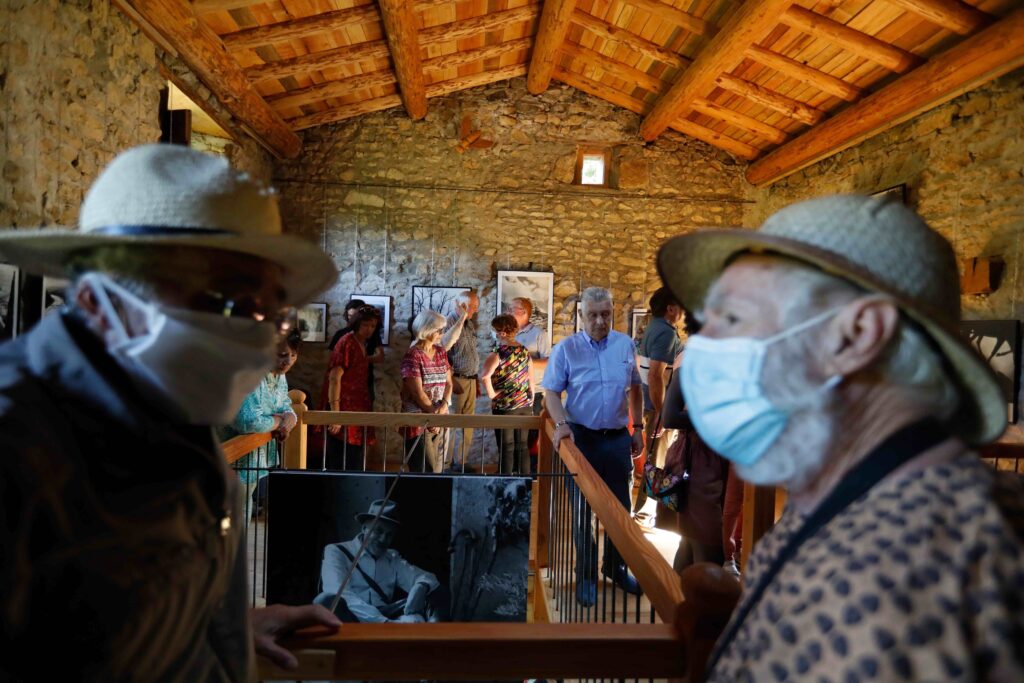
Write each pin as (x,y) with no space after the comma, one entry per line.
(245,307)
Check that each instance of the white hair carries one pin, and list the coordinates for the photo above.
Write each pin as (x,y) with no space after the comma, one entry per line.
(426,323)
(465,297)
(593,295)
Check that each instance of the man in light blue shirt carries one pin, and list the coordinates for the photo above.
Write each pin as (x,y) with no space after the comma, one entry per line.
(597,370)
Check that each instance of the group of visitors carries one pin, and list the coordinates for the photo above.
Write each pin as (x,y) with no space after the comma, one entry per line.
(828,362)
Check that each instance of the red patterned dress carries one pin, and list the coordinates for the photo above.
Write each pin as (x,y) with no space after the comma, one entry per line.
(350,355)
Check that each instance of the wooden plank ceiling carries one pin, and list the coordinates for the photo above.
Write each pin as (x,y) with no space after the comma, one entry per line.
(775,82)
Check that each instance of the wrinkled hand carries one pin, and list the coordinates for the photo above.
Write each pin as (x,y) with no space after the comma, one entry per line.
(270,624)
(562,432)
(441,408)
(288,422)
(462,307)
(637,447)
(334,429)
(417,600)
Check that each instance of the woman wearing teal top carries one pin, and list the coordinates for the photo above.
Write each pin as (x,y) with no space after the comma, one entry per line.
(266,409)
(507,377)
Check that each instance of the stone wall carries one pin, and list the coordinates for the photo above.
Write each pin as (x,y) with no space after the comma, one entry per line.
(396,205)
(79,83)
(963,165)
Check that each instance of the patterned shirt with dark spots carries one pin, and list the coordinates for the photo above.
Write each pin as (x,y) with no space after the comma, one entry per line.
(920,579)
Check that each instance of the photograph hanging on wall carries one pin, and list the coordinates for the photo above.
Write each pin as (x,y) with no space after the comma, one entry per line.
(466,539)
(897,193)
(579,317)
(313,323)
(537,287)
(54,291)
(439,299)
(10,284)
(998,342)
(638,323)
(382,304)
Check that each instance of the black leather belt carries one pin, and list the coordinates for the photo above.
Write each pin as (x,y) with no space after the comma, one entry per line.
(602,432)
(466,376)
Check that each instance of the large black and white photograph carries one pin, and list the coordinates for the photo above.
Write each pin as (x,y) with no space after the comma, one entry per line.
(439,299)
(382,304)
(54,293)
(537,287)
(313,323)
(9,286)
(638,321)
(438,549)
(998,342)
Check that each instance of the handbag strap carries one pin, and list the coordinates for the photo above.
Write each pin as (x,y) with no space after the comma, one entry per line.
(366,577)
(902,446)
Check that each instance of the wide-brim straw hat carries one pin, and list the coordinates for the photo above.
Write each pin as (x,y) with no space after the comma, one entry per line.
(387,510)
(882,246)
(170,195)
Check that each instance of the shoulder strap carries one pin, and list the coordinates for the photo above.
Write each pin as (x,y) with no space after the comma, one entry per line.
(901,447)
(366,577)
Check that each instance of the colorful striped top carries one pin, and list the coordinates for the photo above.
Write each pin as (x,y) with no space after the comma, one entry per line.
(511,379)
(433,373)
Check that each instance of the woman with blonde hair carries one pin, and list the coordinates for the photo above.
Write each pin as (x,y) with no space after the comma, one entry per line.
(426,388)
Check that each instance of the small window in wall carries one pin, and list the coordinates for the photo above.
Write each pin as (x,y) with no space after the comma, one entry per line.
(592,167)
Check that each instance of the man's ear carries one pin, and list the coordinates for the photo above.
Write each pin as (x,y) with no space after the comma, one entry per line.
(86,301)
(860,334)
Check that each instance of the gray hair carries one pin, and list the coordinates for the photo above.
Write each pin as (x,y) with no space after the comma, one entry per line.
(593,295)
(910,361)
(465,297)
(426,323)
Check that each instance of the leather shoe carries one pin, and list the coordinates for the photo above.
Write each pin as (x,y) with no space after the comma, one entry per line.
(621,577)
(586,593)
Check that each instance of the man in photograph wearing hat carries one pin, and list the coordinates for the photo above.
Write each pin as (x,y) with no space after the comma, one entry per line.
(830,363)
(383,587)
(121,522)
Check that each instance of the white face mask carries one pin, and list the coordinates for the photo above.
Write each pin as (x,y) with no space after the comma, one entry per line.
(203,363)
(721,384)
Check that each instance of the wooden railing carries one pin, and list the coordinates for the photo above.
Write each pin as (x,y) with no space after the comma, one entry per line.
(678,647)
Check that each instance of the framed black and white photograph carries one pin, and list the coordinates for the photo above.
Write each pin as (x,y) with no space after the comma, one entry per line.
(10,286)
(313,323)
(54,292)
(897,193)
(537,287)
(465,540)
(638,321)
(439,299)
(382,304)
(998,342)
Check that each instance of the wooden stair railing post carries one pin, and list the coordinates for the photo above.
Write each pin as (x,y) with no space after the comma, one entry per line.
(758,517)
(544,470)
(295,444)
(710,595)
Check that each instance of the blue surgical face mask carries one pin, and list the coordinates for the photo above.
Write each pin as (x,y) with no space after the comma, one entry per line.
(721,384)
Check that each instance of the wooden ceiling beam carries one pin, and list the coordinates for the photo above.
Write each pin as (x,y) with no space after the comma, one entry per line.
(554,25)
(618,69)
(786,106)
(295,29)
(403,42)
(338,88)
(735,118)
(601,91)
(986,55)
(958,17)
(861,44)
(207,6)
(475,80)
(347,111)
(617,34)
(798,70)
(200,48)
(480,24)
(457,59)
(716,139)
(675,16)
(316,61)
(722,53)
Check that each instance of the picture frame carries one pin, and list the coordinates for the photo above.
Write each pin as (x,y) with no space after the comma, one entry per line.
(998,342)
(10,301)
(382,303)
(536,286)
(439,299)
(312,323)
(579,317)
(639,318)
(54,292)
(894,193)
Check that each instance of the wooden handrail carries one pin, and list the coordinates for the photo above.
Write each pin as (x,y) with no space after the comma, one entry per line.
(999,451)
(484,651)
(656,577)
(240,446)
(324,417)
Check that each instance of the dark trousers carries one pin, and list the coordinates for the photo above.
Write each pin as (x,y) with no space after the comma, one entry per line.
(610,454)
(513,452)
(344,456)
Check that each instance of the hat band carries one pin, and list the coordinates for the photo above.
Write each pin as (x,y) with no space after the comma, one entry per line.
(148,230)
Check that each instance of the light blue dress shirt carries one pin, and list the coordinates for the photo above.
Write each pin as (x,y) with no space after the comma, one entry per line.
(596,377)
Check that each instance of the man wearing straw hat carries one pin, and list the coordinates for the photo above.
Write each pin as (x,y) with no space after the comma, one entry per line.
(829,363)
(121,525)
(383,586)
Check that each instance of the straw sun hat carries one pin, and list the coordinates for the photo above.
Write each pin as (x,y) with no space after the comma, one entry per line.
(170,195)
(881,246)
